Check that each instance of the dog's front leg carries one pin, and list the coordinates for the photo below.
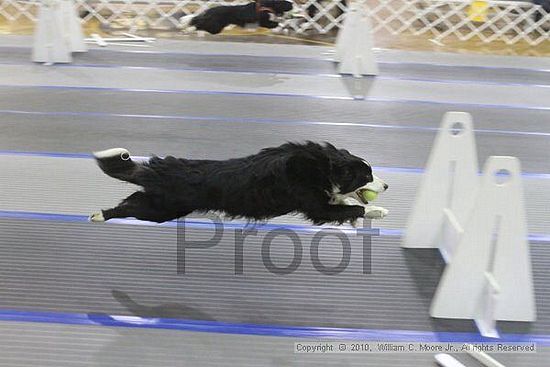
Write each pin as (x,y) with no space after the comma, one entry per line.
(371,211)
(337,213)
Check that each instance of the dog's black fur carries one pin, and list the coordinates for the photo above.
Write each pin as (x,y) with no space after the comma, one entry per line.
(291,178)
(215,19)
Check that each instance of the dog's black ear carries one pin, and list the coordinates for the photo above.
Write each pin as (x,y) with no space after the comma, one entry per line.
(308,169)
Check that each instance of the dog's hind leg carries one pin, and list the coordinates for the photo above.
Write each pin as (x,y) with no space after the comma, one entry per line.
(142,206)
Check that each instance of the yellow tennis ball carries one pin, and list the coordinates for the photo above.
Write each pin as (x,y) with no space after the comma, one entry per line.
(368,195)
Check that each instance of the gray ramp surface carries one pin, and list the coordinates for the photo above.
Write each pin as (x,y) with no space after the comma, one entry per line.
(264,108)
(398,146)
(132,270)
(210,47)
(274,84)
(289,65)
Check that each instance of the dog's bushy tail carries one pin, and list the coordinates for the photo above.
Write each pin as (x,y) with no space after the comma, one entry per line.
(118,164)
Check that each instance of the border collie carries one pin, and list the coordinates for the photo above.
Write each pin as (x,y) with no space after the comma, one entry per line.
(317,180)
(215,19)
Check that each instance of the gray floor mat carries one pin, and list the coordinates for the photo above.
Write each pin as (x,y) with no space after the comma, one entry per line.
(75,267)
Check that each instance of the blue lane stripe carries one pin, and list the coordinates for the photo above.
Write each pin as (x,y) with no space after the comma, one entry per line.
(183,53)
(406,170)
(463,81)
(264,330)
(190,223)
(12,214)
(377,125)
(193,69)
(47,154)
(266,94)
(180,91)
(510,69)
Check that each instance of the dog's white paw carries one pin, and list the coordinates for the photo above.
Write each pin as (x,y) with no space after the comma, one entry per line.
(96,218)
(376,212)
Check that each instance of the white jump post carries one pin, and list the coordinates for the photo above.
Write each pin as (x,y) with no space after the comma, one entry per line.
(354,44)
(448,188)
(479,226)
(58,32)
(490,276)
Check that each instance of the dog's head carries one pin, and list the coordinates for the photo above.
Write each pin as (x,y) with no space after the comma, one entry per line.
(279,7)
(337,170)
(347,172)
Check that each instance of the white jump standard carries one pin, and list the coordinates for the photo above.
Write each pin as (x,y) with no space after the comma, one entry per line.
(354,43)
(58,33)
(480,228)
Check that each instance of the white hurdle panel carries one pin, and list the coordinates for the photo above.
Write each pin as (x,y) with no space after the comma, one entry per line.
(489,277)
(58,32)
(480,228)
(448,188)
(354,43)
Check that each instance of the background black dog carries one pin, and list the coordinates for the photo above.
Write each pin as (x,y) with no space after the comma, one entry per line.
(215,19)
(292,178)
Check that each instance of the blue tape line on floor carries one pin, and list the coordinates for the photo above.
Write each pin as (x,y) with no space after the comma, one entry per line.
(266,94)
(264,330)
(383,232)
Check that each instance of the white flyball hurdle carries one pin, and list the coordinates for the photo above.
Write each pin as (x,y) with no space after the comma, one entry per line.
(58,32)
(448,188)
(354,43)
(480,227)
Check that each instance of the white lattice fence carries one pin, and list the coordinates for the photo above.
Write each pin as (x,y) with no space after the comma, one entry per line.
(508,21)
(318,15)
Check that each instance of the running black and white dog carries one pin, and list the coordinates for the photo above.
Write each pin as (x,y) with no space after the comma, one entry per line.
(316,180)
(215,19)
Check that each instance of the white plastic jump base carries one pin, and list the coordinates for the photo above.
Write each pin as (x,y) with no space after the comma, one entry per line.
(127,40)
(354,44)
(58,33)
(448,188)
(490,276)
